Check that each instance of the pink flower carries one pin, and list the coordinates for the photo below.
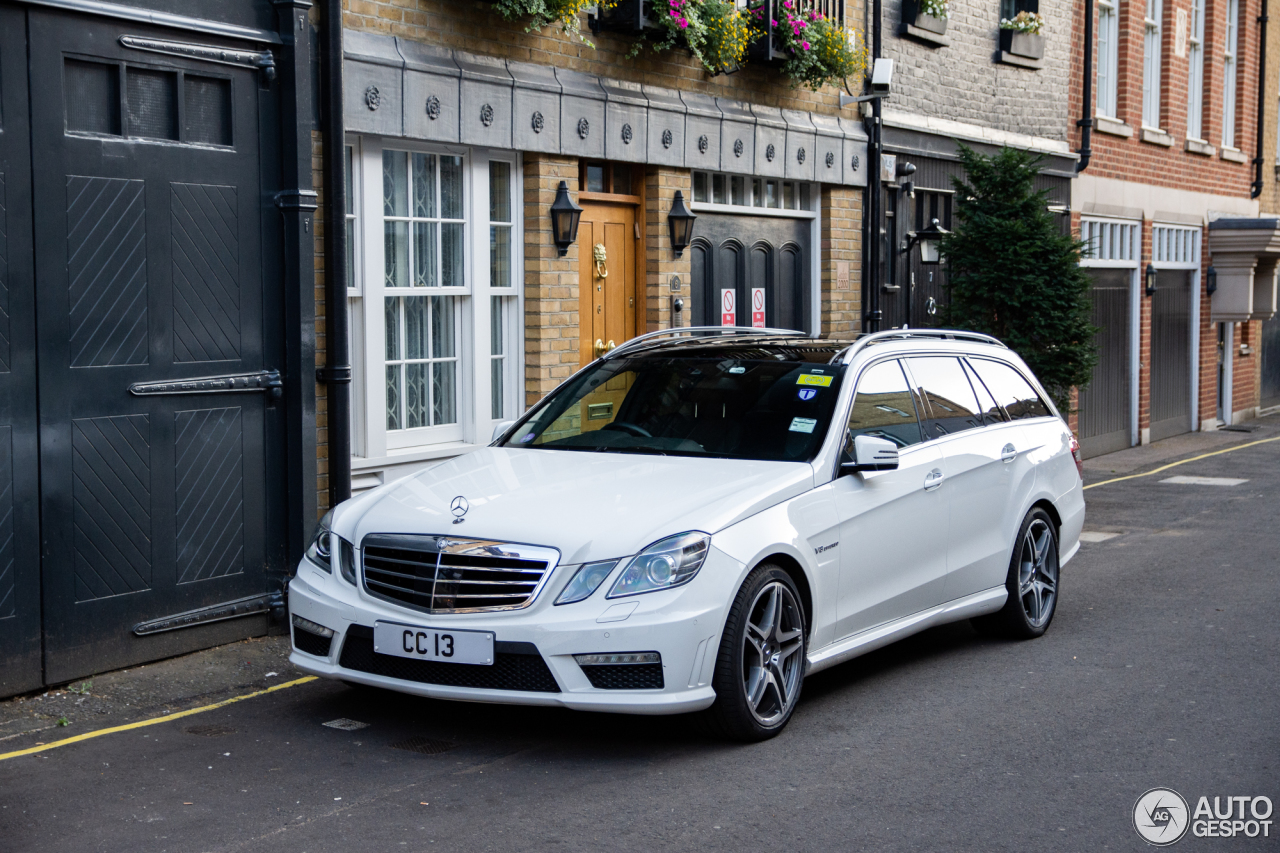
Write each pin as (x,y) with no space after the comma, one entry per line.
(805,45)
(683,23)
(775,23)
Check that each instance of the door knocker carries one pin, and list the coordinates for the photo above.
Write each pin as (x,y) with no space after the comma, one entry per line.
(597,253)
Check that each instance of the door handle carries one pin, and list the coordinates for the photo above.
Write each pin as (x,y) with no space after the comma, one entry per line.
(1008,453)
(601,347)
(933,479)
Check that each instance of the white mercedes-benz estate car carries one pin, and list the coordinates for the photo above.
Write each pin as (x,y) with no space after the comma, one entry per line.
(701,518)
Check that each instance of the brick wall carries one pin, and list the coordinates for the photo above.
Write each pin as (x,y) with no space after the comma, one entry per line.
(962,82)
(1130,158)
(550,281)
(660,185)
(841,313)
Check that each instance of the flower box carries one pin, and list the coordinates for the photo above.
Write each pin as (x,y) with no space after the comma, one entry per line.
(912,15)
(767,48)
(1026,45)
(628,16)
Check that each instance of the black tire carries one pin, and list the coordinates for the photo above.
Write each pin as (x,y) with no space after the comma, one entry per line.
(782,653)
(1033,582)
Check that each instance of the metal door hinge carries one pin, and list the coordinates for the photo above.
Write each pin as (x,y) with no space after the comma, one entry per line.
(262,60)
(213,613)
(296,200)
(264,380)
(338,374)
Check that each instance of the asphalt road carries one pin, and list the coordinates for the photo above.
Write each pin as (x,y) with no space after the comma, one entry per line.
(1159,670)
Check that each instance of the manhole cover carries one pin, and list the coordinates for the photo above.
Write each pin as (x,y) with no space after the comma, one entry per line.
(346,725)
(209,731)
(424,745)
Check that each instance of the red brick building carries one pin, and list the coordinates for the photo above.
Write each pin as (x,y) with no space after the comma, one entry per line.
(1167,194)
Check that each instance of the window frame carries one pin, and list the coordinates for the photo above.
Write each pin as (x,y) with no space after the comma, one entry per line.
(1151,63)
(1106,74)
(472,313)
(1229,75)
(1195,73)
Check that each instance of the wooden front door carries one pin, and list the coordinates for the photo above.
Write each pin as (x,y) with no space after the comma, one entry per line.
(607,278)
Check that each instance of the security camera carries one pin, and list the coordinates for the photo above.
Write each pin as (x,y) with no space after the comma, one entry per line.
(881,76)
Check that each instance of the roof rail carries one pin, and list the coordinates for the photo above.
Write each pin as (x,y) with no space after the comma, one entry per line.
(907,334)
(707,330)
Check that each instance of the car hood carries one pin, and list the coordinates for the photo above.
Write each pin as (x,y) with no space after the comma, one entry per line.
(588,505)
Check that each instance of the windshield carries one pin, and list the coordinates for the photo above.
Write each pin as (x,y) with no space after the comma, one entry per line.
(718,405)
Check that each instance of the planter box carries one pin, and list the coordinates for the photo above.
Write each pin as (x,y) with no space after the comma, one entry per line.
(765,49)
(629,16)
(912,15)
(1026,45)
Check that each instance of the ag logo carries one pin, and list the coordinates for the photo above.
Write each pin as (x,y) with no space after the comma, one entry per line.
(1160,816)
(459,508)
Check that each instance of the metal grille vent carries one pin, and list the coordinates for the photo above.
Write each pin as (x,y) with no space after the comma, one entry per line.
(438,575)
(312,644)
(643,676)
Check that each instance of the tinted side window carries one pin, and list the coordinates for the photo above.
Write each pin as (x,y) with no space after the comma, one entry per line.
(882,407)
(1010,389)
(991,411)
(948,397)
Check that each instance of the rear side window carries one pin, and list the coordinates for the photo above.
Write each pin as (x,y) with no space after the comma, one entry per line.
(1010,389)
(883,408)
(950,403)
(991,410)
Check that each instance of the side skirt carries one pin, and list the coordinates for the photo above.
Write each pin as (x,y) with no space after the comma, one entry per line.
(987,601)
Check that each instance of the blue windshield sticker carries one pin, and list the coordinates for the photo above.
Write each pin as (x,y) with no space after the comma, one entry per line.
(808,393)
(803,424)
(528,437)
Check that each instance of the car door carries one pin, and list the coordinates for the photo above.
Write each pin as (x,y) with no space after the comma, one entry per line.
(988,469)
(893,524)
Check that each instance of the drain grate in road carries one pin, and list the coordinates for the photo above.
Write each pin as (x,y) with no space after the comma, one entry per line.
(346,725)
(1204,481)
(424,745)
(209,731)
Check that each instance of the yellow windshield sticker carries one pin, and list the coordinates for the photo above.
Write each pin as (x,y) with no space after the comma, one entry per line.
(810,379)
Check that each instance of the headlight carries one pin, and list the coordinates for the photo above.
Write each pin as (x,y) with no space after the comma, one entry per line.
(318,550)
(667,563)
(586,581)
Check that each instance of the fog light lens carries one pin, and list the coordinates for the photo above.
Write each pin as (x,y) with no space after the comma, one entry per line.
(586,581)
(615,658)
(312,627)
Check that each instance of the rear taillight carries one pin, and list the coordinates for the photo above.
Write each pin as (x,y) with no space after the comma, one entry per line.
(1075,454)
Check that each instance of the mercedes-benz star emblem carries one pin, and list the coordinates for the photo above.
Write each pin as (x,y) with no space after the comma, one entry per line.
(459,508)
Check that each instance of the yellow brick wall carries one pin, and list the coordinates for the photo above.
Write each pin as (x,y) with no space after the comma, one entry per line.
(660,185)
(841,264)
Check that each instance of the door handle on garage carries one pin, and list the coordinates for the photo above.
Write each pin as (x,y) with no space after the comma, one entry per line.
(1008,453)
(933,479)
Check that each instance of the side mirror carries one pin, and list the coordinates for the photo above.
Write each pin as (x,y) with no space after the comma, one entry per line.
(871,454)
(499,429)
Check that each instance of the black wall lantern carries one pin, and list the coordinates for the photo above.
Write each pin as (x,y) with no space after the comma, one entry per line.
(1151,280)
(680,221)
(564,219)
(1210,281)
(930,240)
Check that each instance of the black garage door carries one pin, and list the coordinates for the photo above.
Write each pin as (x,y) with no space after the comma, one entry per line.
(752,265)
(1171,353)
(1105,414)
(147,217)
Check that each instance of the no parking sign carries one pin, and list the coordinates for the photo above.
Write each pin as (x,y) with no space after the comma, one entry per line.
(757,307)
(728,307)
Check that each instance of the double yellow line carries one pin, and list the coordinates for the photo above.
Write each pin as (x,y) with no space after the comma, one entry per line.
(1170,465)
(143,723)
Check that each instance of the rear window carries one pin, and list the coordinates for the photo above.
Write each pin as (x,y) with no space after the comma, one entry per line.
(729,407)
(1010,389)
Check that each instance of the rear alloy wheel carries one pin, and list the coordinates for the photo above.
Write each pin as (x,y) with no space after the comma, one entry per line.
(760,667)
(1032,582)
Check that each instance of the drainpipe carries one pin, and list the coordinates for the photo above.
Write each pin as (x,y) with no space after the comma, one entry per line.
(871,320)
(1086,121)
(1256,189)
(337,374)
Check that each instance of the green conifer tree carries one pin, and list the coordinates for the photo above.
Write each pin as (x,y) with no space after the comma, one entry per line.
(1014,274)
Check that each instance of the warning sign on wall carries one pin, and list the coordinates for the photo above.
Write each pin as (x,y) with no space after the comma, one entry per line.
(757,307)
(728,307)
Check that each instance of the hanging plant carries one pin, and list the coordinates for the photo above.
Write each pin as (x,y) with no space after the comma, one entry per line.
(716,32)
(541,13)
(820,51)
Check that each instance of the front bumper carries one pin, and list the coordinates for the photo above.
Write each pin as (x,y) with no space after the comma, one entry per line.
(683,625)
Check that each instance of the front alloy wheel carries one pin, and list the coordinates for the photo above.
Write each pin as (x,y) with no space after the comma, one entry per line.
(761,663)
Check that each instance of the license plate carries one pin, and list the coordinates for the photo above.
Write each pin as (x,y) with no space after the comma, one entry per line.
(438,644)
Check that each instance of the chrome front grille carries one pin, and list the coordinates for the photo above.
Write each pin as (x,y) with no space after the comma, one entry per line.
(437,574)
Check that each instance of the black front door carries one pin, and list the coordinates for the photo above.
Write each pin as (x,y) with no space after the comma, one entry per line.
(754,268)
(19,460)
(148,247)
